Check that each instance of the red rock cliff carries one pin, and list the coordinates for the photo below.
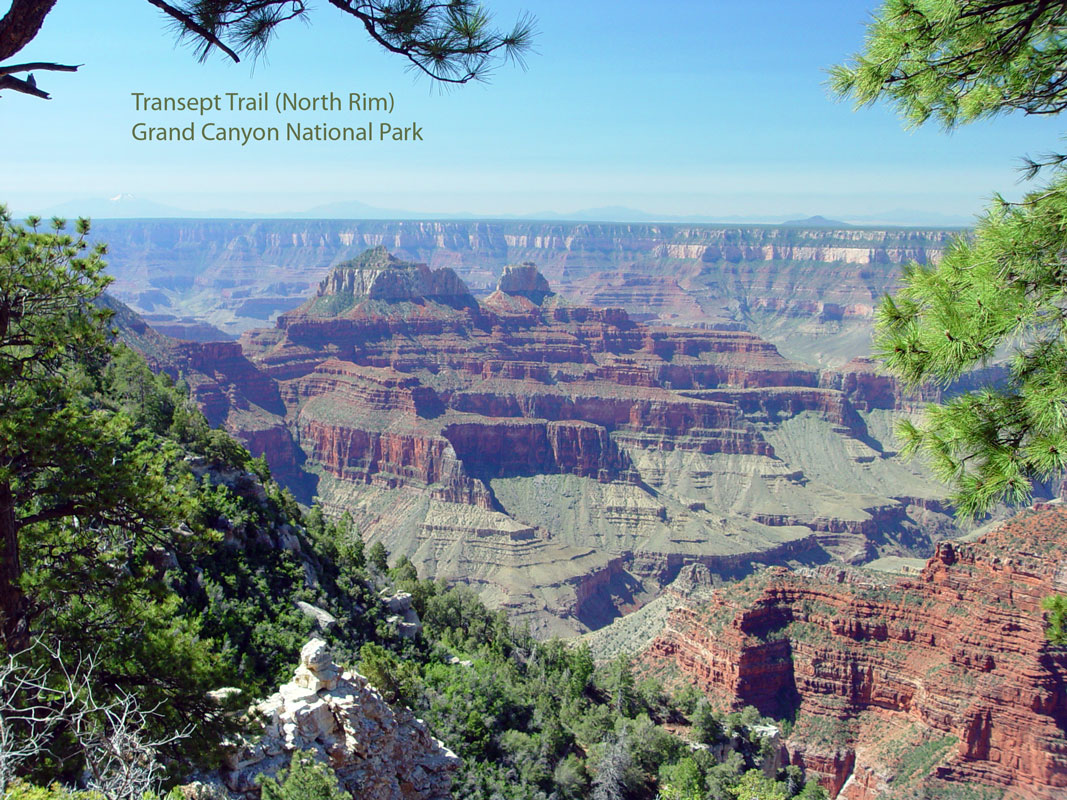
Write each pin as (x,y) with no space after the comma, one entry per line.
(955,658)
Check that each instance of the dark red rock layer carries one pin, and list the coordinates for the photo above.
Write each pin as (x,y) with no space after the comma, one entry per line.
(391,459)
(501,447)
(532,388)
(959,650)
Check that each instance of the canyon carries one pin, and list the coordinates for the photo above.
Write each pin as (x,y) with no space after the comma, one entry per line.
(896,684)
(564,460)
(810,291)
(608,440)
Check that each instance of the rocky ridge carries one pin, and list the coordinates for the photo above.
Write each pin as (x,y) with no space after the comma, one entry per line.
(945,676)
(376,752)
(811,290)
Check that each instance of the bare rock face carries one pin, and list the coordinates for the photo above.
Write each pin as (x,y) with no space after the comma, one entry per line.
(952,662)
(377,753)
(524,280)
(378,275)
(692,580)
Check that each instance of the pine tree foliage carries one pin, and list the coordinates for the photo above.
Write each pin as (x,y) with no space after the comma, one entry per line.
(1056,606)
(960,60)
(1001,292)
(451,42)
(454,42)
(69,467)
(305,779)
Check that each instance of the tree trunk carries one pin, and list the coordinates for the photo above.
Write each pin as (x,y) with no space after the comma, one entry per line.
(14,631)
(21,24)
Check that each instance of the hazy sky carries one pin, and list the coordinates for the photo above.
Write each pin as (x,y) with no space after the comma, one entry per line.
(695,107)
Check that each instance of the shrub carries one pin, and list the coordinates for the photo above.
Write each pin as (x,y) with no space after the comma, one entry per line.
(306,779)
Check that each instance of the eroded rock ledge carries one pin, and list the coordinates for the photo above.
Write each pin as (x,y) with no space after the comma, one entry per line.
(378,753)
(953,660)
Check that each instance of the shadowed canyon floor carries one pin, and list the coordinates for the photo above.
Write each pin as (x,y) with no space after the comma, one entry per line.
(564,460)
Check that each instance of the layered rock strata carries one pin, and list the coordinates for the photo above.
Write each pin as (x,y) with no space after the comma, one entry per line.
(525,435)
(946,676)
(824,278)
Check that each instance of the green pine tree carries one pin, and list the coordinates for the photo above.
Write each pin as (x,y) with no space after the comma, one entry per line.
(1002,290)
(306,779)
(66,460)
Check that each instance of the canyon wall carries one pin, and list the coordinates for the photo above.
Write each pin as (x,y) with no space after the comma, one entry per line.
(527,435)
(945,676)
(810,290)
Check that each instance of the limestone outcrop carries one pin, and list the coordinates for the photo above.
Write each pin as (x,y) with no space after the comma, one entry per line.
(377,753)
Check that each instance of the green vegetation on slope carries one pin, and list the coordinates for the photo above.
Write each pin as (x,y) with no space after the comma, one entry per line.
(529,719)
(169,564)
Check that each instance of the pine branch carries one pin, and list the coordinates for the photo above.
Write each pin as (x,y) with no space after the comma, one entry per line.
(10,69)
(25,87)
(192,26)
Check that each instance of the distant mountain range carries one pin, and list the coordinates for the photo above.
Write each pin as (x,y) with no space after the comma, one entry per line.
(815,222)
(129,206)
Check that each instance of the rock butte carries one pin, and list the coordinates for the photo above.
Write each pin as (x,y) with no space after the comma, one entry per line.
(954,658)
(810,291)
(564,460)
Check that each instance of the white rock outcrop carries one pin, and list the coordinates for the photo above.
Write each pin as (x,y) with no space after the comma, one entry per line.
(403,616)
(376,752)
(323,618)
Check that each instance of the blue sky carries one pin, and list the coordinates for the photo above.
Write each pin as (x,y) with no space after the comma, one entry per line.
(681,108)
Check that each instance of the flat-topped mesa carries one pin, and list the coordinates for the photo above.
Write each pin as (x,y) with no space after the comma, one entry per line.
(376,274)
(526,281)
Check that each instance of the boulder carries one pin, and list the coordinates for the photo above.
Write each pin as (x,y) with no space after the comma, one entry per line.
(404,617)
(323,618)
